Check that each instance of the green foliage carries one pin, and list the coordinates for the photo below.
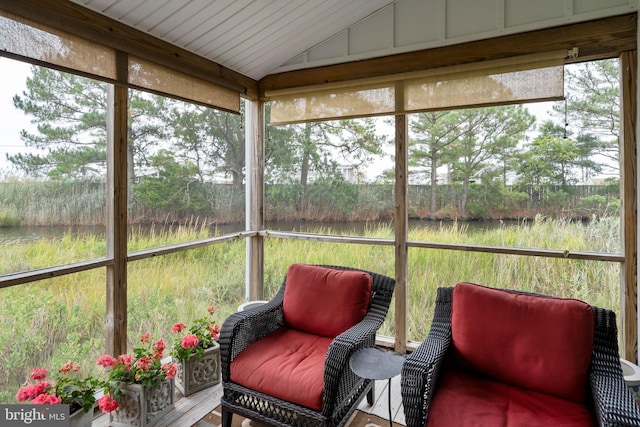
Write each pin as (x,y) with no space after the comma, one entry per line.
(557,200)
(593,107)
(283,197)
(8,220)
(595,203)
(336,193)
(512,200)
(175,186)
(209,140)
(550,159)
(476,210)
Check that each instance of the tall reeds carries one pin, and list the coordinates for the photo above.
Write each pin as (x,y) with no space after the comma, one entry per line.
(49,322)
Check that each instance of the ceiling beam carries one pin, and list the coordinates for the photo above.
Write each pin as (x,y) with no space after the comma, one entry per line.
(598,39)
(72,18)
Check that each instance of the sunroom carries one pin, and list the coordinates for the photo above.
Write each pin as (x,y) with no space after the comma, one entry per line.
(360,78)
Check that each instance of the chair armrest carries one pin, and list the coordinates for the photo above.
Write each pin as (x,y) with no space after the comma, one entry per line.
(242,329)
(419,376)
(337,373)
(614,404)
(422,368)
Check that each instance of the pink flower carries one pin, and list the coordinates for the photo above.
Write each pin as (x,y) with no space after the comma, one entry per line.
(68,367)
(145,338)
(39,373)
(178,327)
(144,363)
(107,404)
(42,387)
(46,399)
(189,341)
(106,361)
(211,308)
(158,348)
(27,392)
(214,330)
(170,370)
(126,360)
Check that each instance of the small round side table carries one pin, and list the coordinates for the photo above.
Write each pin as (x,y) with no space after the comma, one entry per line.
(373,363)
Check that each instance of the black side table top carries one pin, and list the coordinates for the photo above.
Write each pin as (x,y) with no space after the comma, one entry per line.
(375,364)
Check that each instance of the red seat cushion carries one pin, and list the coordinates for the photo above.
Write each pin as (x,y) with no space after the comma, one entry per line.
(287,364)
(325,301)
(533,342)
(465,400)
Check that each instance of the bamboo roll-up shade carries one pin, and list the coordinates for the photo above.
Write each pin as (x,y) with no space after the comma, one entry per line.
(520,79)
(339,103)
(45,45)
(156,78)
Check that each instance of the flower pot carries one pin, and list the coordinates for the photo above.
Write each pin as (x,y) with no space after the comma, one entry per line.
(81,419)
(142,406)
(196,374)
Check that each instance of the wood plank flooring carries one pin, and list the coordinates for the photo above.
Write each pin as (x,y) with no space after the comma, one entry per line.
(189,411)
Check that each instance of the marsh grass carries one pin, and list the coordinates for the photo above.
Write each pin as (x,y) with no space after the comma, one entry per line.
(49,322)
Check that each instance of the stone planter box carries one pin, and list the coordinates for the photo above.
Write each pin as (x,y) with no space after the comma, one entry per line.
(81,419)
(196,374)
(143,406)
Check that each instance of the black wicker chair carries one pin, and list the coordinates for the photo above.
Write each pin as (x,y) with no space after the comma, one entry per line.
(611,402)
(342,389)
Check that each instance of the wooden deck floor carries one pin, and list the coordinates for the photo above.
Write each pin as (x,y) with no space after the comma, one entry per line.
(189,411)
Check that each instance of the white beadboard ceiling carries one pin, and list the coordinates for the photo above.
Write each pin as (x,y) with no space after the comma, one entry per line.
(253,37)
(261,37)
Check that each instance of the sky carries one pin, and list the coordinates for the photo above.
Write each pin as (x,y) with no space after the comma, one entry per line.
(12,82)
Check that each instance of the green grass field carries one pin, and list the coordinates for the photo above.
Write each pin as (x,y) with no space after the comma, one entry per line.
(53,321)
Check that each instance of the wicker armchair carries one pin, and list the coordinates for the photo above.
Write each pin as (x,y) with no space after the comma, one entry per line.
(339,389)
(608,401)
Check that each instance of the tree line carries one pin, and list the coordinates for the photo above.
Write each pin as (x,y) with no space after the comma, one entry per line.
(176,150)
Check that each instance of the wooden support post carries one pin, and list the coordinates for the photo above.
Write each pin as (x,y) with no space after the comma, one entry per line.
(629,197)
(401,219)
(254,125)
(117,121)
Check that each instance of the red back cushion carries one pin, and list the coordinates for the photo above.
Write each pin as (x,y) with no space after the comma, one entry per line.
(325,301)
(534,342)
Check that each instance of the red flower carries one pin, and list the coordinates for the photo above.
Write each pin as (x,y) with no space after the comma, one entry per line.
(171,369)
(144,363)
(27,392)
(68,367)
(189,341)
(214,330)
(145,338)
(106,361)
(46,399)
(38,373)
(107,404)
(126,360)
(158,348)
(211,308)
(178,327)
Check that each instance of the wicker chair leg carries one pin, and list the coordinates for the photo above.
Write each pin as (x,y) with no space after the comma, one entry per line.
(227,415)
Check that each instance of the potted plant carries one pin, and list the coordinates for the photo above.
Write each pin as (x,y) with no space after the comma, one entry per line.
(67,388)
(197,354)
(140,387)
